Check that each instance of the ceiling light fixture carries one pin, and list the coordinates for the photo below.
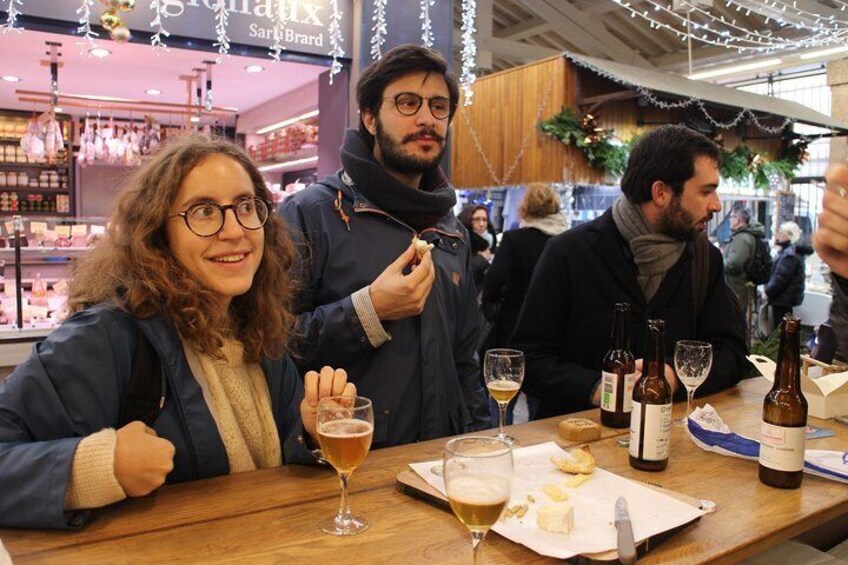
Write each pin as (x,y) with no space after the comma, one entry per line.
(194,119)
(254,69)
(288,164)
(821,53)
(58,109)
(99,52)
(734,69)
(288,122)
(153,91)
(10,78)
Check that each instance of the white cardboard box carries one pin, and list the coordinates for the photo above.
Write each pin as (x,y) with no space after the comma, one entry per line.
(827,395)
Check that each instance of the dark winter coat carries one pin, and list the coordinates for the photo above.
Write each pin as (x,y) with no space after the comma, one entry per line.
(786,284)
(564,325)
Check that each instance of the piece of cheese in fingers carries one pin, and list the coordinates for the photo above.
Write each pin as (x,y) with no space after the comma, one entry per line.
(421,247)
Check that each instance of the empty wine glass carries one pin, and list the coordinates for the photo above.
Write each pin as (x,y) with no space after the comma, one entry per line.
(478,482)
(692,361)
(503,370)
(345,429)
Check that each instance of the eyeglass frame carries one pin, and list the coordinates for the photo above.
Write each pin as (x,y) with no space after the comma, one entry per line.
(223,209)
(421,100)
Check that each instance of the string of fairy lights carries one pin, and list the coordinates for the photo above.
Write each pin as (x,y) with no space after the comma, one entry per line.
(718,30)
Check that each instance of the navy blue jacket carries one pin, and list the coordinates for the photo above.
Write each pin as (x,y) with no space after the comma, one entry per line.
(786,285)
(72,386)
(425,382)
(564,325)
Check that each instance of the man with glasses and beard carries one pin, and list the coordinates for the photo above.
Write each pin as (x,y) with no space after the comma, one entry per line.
(399,315)
(650,250)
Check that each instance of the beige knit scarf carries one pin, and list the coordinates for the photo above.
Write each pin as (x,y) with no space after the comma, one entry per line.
(653,253)
(238,397)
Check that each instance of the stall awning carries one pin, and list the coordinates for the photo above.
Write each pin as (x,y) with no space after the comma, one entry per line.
(660,82)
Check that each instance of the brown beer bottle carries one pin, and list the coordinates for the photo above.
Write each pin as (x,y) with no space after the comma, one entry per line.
(650,419)
(618,373)
(784,415)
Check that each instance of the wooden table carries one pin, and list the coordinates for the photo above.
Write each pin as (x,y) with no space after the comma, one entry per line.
(271,516)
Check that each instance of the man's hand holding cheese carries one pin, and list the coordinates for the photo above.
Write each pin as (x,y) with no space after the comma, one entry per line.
(396,295)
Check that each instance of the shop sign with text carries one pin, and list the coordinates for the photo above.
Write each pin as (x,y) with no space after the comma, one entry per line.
(250,21)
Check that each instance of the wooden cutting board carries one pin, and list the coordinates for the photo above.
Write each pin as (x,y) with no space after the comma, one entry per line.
(411,484)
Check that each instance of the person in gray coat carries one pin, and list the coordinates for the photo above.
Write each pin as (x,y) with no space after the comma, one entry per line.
(403,322)
(740,250)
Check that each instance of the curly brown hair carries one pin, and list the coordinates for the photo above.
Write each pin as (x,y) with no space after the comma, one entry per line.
(134,268)
(539,201)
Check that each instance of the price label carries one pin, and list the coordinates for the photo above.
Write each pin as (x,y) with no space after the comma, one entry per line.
(38,311)
(79,229)
(10,227)
(63,231)
(98,230)
(38,227)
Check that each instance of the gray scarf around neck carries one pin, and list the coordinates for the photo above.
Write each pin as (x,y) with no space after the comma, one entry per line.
(653,253)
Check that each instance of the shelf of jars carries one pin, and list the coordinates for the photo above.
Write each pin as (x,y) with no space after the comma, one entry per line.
(35,164)
(296,141)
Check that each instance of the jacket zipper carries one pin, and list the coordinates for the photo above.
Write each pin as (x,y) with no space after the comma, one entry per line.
(363,208)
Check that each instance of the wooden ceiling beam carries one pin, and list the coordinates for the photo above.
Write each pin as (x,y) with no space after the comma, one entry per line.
(524,30)
(584,30)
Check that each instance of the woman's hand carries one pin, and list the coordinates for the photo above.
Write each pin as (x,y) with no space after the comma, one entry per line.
(329,382)
(142,459)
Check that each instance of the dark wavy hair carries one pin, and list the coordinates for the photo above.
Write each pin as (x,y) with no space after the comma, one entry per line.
(396,63)
(134,268)
(665,154)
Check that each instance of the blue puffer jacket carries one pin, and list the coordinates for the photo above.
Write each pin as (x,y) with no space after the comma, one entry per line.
(425,382)
(72,386)
(788,277)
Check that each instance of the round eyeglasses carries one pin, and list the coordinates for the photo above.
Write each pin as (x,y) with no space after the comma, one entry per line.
(408,104)
(207,218)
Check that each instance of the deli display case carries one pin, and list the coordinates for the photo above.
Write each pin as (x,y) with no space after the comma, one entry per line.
(37,254)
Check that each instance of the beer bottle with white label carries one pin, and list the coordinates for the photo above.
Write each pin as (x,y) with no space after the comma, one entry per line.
(618,372)
(784,414)
(650,419)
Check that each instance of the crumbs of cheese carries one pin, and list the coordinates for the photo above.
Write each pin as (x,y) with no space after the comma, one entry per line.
(555,493)
(556,517)
(577,480)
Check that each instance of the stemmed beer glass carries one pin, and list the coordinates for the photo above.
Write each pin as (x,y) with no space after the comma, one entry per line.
(345,429)
(478,482)
(692,361)
(503,370)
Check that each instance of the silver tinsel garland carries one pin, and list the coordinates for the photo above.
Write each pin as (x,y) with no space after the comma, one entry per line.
(84,13)
(335,32)
(280,19)
(426,23)
(469,50)
(12,17)
(222,16)
(156,6)
(378,29)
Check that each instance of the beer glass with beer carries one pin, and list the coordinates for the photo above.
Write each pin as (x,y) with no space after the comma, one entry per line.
(478,482)
(692,361)
(503,370)
(345,429)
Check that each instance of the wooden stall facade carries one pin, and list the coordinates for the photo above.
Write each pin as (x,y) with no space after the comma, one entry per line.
(506,110)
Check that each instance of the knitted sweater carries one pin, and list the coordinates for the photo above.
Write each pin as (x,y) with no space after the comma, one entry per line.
(237,396)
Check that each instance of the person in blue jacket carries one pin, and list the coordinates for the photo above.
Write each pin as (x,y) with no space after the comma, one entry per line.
(195,264)
(403,321)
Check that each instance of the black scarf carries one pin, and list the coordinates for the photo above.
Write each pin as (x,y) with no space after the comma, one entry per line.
(419,208)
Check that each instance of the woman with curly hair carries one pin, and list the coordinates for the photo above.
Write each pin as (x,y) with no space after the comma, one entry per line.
(195,271)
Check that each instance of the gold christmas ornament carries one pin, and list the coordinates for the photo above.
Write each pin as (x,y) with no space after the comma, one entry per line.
(121,34)
(126,5)
(110,20)
(112,4)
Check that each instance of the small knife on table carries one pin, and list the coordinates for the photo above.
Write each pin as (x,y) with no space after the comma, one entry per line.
(625,543)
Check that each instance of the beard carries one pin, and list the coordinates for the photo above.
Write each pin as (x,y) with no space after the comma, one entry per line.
(679,223)
(396,159)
